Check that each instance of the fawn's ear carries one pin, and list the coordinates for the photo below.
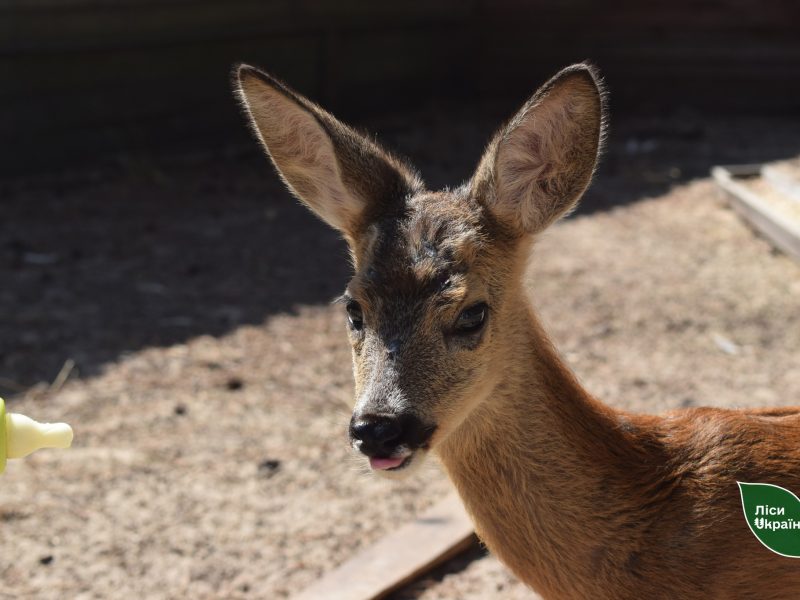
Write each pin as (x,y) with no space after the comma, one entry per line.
(538,166)
(346,179)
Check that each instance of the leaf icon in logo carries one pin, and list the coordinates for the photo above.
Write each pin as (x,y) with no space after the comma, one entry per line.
(773,515)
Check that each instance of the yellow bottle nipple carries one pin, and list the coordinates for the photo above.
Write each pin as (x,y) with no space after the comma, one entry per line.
(21,435)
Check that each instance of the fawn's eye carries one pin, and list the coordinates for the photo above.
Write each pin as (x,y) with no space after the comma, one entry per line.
(354,315)
(472,319)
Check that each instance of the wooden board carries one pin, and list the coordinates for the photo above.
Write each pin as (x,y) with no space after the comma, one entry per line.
(439,534)
(782,232)
(784,176)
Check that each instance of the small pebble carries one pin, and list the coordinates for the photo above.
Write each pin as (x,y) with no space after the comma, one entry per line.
(234,384)
(269,467)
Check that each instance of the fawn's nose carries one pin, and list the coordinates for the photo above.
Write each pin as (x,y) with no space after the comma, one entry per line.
(378,435)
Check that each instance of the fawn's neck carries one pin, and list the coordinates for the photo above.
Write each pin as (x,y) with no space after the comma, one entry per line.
(541,466)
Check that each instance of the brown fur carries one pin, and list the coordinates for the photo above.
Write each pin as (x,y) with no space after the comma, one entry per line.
(578,499)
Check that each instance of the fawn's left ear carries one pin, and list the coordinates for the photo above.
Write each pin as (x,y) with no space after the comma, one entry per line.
(538,166)
(342,176)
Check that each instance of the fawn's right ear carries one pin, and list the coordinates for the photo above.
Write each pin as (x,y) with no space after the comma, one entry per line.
(346,179)
(538,166)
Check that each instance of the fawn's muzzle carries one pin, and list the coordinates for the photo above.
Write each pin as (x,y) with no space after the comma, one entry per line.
(377,435)
(384,435)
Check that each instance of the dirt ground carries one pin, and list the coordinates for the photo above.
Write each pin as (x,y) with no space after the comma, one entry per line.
(211,373)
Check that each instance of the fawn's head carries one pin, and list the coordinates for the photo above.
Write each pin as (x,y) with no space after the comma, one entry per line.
(436,289)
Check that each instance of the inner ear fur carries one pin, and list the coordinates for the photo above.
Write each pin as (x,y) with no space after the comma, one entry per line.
(538,166)
(342,176)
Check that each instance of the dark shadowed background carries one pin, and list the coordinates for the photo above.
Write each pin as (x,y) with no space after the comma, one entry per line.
(96,80)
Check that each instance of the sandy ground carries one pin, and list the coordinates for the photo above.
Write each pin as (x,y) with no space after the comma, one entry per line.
(209,396)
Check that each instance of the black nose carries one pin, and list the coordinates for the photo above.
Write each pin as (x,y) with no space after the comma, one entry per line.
(379,435)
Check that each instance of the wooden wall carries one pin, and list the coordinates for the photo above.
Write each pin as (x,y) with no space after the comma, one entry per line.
(86,80)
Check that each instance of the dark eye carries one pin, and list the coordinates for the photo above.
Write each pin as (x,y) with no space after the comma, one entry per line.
(472,319)
(354,315)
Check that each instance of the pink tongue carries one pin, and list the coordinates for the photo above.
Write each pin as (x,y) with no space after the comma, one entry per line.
(381,464)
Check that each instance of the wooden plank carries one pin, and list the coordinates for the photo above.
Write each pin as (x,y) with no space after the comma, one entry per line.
(439,534)
(782,232)
(784,179)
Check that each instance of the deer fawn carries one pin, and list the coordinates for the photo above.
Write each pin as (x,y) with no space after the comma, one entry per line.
(578,499)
